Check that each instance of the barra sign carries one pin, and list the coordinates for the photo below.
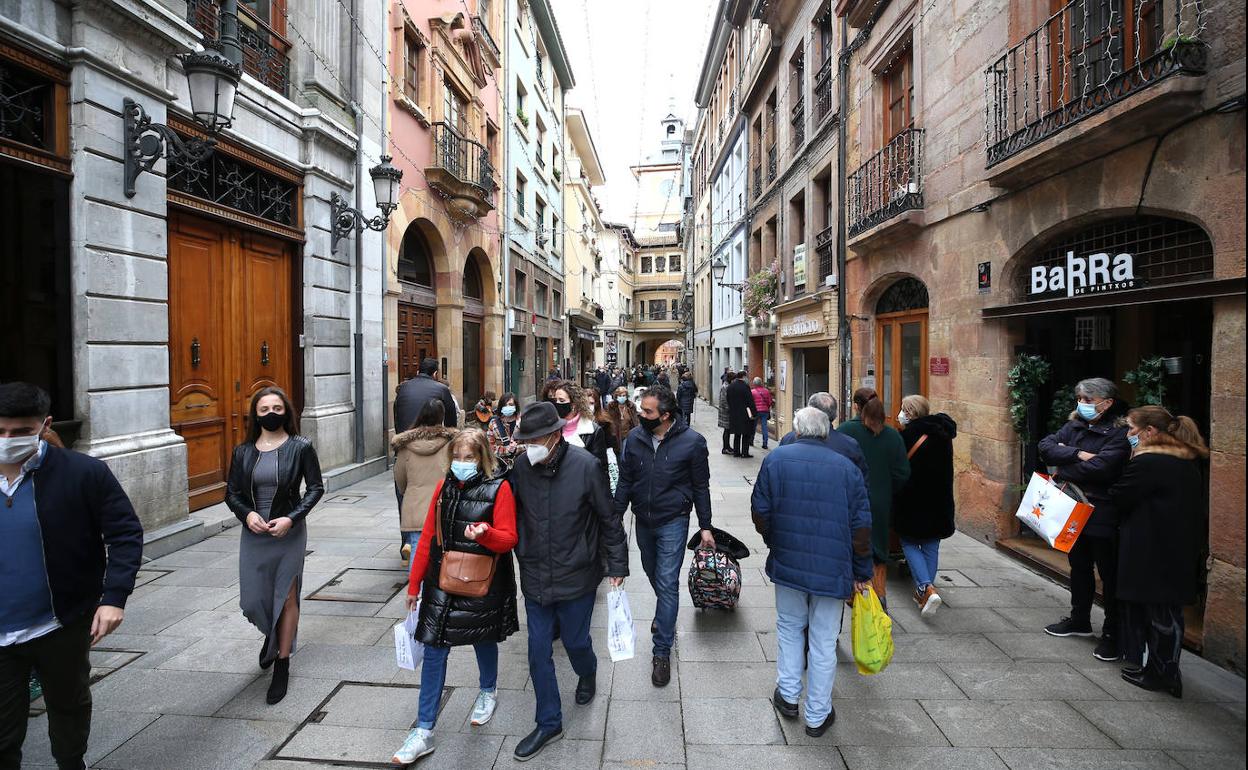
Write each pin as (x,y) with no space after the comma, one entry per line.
(1093,274)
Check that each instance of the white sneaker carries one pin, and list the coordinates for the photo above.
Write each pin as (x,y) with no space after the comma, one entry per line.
(483,709)
(419,743)
(931,602)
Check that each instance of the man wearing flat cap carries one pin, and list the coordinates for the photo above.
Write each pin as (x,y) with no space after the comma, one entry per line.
(569,538)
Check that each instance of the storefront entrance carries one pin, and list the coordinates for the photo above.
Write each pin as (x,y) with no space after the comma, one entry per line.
(810,374)
(901,344)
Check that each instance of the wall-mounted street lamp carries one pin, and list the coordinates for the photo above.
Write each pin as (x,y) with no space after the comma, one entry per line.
(213,83)
(347,219)
(718,268)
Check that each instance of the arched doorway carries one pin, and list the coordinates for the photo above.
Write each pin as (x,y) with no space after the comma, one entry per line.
(901,343)
(474,315)
(417,336)
(669,353)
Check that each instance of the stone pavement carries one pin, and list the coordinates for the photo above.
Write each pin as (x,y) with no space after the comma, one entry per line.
(978,685)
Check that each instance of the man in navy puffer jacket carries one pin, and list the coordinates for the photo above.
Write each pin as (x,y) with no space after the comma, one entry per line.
(664,474)
(810,504)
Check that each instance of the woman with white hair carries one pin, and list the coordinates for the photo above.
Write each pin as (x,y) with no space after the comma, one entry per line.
(1090,451)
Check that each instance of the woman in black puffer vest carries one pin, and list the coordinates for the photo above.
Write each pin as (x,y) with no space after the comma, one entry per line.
(472,511)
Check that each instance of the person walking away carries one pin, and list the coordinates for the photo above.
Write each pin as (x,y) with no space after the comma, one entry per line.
(420,464)
(728,376)
(623,415)
(663,379)
(763,402)
(472,511)
(424,387)
(725,418)
(741,416)
(274,482)
(923,510)
(569,538)
(838,442)
(602,381)
(687,395)
(1158,498)
(664,475)
(1090,451)
(889,470)
(580,428)
(502,426)
(812,508)
(72,549)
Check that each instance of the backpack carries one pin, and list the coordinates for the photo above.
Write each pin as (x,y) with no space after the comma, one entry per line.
(714,580)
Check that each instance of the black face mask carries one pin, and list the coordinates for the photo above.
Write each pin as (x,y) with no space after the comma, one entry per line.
(563,410)
(650,423)
(271,420)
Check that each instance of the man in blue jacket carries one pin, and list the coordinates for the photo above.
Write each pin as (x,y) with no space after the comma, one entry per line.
(838,442)
(71,549)
(664,474)
(810,504)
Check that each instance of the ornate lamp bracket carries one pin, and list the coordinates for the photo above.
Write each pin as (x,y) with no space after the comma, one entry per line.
(348,219)
(146,142)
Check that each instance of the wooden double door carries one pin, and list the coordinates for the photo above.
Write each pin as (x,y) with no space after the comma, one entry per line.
(417,338)
(230,334)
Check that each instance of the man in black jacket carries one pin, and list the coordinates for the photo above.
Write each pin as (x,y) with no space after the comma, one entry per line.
(72,547)
(740,415)
(1091,451)
(415,392)
(664,474)
(569,537)
(686,395)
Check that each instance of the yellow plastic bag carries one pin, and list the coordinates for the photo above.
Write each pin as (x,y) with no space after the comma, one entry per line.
(872,630)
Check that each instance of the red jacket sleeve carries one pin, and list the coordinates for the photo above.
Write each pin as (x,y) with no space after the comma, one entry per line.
(501,537)
(420,559)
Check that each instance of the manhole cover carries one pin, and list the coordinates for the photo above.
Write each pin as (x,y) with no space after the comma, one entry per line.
(362,585)
(345,499)
(359,724)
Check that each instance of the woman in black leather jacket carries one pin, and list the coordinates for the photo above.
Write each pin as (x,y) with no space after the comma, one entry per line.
(267,472)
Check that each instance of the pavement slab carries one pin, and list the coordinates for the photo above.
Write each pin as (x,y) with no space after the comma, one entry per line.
(175,742)
(731,721)
(919,758)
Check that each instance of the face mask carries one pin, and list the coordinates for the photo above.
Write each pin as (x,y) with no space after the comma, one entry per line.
(903,418)
(563,410)
(536,453)
(621,399)
(1134,441)
(1087,411)
(271,420)
(16,449)
(508,410)
(463,469)
(649,423)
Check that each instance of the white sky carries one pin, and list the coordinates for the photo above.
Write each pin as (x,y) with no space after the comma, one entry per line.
(623,98)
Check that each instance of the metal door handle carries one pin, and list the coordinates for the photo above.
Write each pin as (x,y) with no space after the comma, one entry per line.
(195,352)
(264,353)
(189,407)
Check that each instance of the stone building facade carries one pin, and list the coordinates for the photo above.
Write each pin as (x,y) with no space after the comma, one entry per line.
(152,318)
(617,282)
(582,274)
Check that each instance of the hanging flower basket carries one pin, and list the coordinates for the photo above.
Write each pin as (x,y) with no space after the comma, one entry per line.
(760,293)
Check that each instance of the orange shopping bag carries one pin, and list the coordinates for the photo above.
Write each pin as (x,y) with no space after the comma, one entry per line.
(1053,514)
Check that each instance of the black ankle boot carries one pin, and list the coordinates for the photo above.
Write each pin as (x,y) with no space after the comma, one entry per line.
(281,677)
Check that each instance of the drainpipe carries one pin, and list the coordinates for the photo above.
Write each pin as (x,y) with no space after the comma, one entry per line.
(230,46)
(504,207)
(385,355)
(358,338)
(842,304)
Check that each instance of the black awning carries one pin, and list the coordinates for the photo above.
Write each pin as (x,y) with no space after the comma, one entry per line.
(1223,287)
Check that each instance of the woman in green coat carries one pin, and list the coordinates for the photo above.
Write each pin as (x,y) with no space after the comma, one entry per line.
(885,452)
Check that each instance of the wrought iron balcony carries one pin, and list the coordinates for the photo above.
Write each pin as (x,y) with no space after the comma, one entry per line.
(461,169)
(483,30)
(890,182)
(823,91)
(265,53)
(797,119)
(1088,56)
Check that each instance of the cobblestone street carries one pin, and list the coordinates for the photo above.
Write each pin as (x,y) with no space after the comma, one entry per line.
(977,685)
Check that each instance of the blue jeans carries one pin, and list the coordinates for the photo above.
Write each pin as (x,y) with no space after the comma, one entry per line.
(921,557)
(761,419)
(410,538)
(572,617)
(797,611)
(433,677)
(662,552)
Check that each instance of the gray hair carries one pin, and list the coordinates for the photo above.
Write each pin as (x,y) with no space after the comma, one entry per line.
(810,422)
(1096,387)
(758,381)
(824,402)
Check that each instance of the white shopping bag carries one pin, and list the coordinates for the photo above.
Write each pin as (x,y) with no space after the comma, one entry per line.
(407,651)
(620,634)
(1053,514)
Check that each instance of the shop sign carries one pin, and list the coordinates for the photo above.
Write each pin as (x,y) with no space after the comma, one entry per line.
(801,326)
(985,277)
(799,265)
(869,381)
(938,367)
(1084,275)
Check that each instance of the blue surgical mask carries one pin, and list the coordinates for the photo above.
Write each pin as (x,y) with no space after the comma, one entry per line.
(508,410)
(463,469)
(621,399)
(1087,411)
(1134,441)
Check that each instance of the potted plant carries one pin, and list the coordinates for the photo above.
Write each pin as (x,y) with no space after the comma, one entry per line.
(557,174)
(760,293)
(1029,372)
(520,116)
(1149,379)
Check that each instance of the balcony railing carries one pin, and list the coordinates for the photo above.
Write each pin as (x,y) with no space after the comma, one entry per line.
(466,159)
(757,176)
(797,120)
(771,163)
(264,51)
(823,91)
(1089,55)
(890,182)
(483,30)
(825,250)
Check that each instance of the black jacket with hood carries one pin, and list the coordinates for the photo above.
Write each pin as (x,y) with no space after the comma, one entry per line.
(923,509)
(1107,439)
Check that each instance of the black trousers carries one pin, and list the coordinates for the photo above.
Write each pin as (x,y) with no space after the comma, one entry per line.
(727,440)
(1157,628)
(61,660)
(1101,553)
(741,443)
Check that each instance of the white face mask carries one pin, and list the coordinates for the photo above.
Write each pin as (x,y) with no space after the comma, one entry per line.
(536,453)
(903,419)
(16,449)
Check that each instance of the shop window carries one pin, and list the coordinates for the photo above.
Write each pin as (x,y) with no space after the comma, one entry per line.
(415,257)
(1092,332)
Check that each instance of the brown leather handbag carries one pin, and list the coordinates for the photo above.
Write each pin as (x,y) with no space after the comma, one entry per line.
(464,574)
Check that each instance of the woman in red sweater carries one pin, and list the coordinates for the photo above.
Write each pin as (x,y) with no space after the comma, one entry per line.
(763,402)
(472,511)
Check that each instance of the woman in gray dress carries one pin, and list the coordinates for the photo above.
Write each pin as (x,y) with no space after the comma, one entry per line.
(275,479)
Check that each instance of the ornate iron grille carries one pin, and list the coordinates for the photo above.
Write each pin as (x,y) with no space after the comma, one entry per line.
(24,109)
(798,121)
(771,163)
(263,59)
(825,248)
(1087,56)
(229,182)
(758,179)
(468,160)
(823,91)
(1163,251)
(906,294)
(890,182)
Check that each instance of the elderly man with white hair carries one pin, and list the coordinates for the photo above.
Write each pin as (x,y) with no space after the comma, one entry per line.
(810,504)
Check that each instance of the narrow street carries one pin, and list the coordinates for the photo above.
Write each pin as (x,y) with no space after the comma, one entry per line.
(977,685)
